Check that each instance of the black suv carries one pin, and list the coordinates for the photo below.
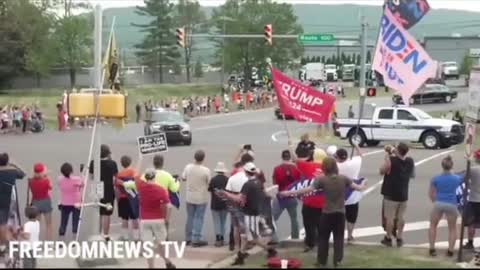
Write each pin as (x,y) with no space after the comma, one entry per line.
(172,123)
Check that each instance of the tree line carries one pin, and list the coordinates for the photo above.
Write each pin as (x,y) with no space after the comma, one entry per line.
(39,35)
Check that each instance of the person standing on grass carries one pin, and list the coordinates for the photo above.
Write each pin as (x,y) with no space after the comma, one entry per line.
(40,187)
(332,220)
(473,206)
(70,187)
(197,177)
(154,202)
(397,170)
(109,171)
(31,234)
(255,229)
(284,175)
(9,173)
(127,200)
(351,169)
(218,205)
(442,193)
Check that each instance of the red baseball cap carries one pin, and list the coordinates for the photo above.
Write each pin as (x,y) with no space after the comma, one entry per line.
(39,168)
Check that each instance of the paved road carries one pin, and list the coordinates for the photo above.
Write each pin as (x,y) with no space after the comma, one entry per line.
(220,137)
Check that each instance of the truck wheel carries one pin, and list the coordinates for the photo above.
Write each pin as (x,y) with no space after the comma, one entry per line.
(358,138)
(373,143)
(448,99)
(147,131)
(431,140)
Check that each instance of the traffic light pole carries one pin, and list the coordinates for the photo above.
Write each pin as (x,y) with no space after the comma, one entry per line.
(362,79)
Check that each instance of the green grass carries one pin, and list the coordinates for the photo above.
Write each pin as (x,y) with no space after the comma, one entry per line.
(364,257)
(48,98)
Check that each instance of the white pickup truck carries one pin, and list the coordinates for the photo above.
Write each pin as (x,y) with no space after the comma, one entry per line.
(401,124)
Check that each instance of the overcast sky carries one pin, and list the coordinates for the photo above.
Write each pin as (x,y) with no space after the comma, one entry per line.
(470,5)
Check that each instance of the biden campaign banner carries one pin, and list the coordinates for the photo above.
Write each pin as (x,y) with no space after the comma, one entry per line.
(304,103)
(401,60)
(408,12)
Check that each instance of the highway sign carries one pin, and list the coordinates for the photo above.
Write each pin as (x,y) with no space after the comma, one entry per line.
(315,38)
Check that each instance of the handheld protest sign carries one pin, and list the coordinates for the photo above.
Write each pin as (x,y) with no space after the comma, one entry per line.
(152,144)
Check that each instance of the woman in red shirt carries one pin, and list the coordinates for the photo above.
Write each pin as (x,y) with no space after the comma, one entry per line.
(40,187)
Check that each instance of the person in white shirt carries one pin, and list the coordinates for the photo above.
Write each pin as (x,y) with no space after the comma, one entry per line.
(351,169)
(31,234)
(198,178)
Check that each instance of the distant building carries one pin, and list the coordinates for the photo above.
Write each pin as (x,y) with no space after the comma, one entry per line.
(450,48)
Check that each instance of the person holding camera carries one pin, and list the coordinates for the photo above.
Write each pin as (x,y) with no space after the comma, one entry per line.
(397,171)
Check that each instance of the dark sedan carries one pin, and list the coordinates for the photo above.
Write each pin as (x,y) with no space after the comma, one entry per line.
(430,93)
(279,115)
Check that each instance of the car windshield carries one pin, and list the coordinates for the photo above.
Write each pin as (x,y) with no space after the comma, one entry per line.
(330,67)
(165,117)
(450,64)
(422,114)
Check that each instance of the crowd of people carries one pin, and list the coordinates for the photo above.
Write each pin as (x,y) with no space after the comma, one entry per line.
(21,119)
(144,200)
(202,105)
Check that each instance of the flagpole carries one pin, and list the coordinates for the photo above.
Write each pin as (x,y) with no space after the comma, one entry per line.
(284,120)
(361,79)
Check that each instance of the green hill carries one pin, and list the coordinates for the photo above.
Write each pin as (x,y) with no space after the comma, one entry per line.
(336,19)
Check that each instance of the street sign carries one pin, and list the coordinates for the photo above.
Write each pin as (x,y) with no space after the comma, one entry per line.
(315,38)
(152,144)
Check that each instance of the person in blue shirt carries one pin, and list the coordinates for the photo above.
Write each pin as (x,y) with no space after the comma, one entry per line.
(442,193)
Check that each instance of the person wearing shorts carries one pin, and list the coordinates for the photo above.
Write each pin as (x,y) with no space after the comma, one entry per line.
(397,170)
(127,200)
(109,171)
(40,187)
(443,194)
(153,201)
(254,228)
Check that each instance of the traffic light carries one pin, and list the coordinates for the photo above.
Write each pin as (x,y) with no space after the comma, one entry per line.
(268,34)
(180,33)
(371,92)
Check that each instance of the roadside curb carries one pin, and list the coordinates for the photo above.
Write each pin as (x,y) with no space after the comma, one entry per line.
(226,262)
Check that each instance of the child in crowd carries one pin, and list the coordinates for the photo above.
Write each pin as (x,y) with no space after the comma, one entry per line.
(127,199)
(31,234)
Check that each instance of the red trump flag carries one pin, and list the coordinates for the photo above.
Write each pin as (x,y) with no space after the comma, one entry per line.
(304,103)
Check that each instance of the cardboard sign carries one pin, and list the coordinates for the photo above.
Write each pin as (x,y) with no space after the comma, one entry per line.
(469,138)
(152,144)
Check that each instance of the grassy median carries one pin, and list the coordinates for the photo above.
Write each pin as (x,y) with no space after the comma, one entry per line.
(364,257)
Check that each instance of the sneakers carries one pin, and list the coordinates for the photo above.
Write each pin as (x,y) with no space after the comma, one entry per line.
(432,252)
(450,253)
(219,241)
(386,241)
(307,249)
(170,265)
(199,244)
(399,242)
(240,259)
(468,245)
(272,253)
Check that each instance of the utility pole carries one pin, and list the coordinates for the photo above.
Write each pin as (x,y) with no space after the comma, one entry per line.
(362,82)
(223,52)
(98,86)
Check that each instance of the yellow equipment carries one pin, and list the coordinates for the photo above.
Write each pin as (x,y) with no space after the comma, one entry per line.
(82,104)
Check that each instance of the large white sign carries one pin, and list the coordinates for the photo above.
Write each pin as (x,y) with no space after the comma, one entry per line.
(473,108)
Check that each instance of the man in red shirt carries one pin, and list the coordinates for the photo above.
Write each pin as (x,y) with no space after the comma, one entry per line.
(284,175)
(154,202)
(312,205)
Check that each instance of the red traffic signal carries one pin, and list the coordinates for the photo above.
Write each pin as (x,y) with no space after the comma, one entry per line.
(180,34)
(268,34)
(371,92)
